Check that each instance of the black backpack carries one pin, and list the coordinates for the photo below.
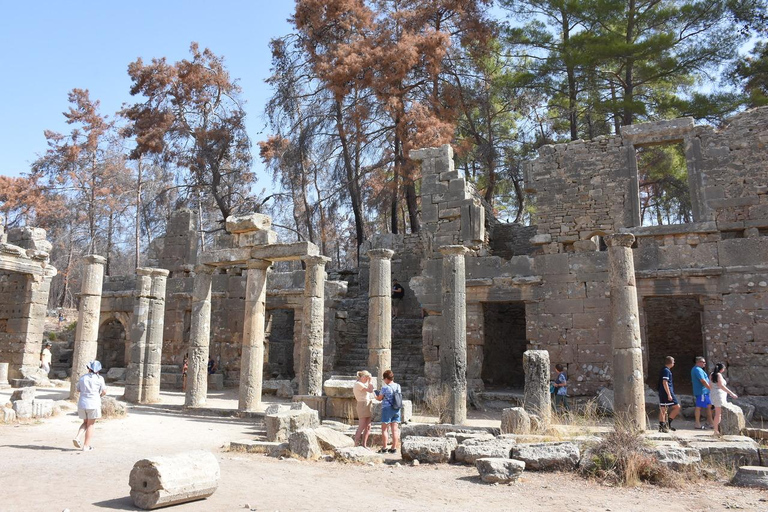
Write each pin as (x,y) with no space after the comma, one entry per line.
(397,398)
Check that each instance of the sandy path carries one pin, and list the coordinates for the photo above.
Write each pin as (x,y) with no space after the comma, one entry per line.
(41,471)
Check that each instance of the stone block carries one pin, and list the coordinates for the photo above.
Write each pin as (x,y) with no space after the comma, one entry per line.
(547,456)
(675,457)
(331,440)
(471,450)
(169,480)
(216,381)
(115,374)
(282,424)
(732,421)
(24,394)
(358,454)
(7,415)
(743,251)
(265,447)
(428,449)
(23,409)
(515,420)
(42,408)
(499,470)
(751,476)
(340,387)
(731,450)
(303,443)
(248,223)
(280,388)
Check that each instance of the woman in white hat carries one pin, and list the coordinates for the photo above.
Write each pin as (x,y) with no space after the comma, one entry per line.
(91,387)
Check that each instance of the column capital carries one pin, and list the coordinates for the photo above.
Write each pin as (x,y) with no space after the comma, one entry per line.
(316,260)
(382,254)
(95,259)
(258,264)
(152,272)
(453,250)
(619,240)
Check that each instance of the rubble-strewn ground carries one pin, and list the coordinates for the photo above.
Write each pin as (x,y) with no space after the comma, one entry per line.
(40,470)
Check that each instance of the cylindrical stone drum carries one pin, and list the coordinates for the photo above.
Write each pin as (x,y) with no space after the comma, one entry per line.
(173,479)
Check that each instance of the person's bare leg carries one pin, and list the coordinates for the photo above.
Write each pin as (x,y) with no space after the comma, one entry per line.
(384,436)
(88,434)
(710,421)
(366,432)
(697,417)
(675,411)
(395,435)
(717,421)
(359,431)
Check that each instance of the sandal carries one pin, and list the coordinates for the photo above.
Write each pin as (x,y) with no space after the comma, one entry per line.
(383,450)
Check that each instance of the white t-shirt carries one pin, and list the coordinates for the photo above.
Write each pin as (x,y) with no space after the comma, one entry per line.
(46,357)
(90,387)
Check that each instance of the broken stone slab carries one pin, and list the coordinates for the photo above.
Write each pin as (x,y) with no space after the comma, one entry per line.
(675,457)
(331,440)
(515,420)
(169,480)
(282,424)
(24,394)
(358,454)
(280,388)
(340,387)
(115,374)
(248,223)
(428,449)
(270,448)
(111,408)
(732,421)
(23,383)
(499,470)
(462,437)
(23,409)
(42,408)
(303,443)
(474,449)
(751,476)
(442,430)
(756,433)
(284,252)
(7,415)
(731,450)
(547,456)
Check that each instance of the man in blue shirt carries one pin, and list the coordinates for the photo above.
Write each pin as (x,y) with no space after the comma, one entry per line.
(701,389)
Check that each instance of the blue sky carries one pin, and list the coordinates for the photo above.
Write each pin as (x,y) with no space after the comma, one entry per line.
(49,48)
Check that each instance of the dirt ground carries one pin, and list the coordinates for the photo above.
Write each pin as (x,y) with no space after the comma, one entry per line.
(40,470)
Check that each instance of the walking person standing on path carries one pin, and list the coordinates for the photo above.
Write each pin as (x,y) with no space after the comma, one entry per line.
(91,387)
(390,413)
(561,388)
(669,407)
(363,390)
(701,391)
(720,394)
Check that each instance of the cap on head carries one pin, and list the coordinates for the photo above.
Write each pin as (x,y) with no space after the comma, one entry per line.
(94,366)
(48,344)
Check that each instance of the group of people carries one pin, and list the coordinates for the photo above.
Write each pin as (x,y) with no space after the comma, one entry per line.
(390,396)
(710,392)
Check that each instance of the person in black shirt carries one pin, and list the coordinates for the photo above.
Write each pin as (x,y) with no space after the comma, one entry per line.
(397,297)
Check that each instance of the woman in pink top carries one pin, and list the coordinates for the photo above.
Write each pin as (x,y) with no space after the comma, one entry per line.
(363,388)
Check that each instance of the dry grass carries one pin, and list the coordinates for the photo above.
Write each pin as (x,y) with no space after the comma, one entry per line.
(437,401)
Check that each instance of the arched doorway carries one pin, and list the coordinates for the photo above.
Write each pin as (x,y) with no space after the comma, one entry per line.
(111,344)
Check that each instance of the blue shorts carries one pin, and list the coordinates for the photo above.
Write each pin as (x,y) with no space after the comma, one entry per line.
(703,401)
(389,415)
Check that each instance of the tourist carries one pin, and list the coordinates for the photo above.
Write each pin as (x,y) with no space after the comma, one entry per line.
(561,388)
(363,389)
(211,365)
(91,387)
(669,407)
(184,370)
(45,358)
(389,415)
(397,297)
(701,389)
(720,394)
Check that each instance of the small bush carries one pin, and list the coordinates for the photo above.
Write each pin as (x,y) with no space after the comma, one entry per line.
(71,327)
(51,336)
(437,401)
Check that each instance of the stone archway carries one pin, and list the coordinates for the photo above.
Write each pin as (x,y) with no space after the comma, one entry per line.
(112,344)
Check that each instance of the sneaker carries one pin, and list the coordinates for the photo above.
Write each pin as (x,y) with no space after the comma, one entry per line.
(663,428)
(383,450)
(392,450)
(87,448)
(77,443)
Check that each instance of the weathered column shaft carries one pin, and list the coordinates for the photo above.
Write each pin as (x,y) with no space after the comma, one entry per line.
(629,399)
(453,345)
(537,400)
(312,327)
(154,343)
(380,312)
(199,339)
(252,358)
(87,331)
(134,373)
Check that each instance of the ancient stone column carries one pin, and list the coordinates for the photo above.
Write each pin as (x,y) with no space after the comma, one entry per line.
(536,399)
(154,343)
(135,372)
(453,344)
(252,358)
(312,327)
(4,376)
(629,400)
(87,331)
(380,312)
(199,338)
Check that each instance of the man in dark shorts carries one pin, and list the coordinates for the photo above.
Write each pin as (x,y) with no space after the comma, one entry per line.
(669,407)
(397,297)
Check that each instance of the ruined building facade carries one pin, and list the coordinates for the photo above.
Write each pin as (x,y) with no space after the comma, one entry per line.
(702,286)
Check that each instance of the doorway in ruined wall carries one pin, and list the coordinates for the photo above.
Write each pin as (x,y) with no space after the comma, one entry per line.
(673,328)
(111,345)
(279,346)
(503,345)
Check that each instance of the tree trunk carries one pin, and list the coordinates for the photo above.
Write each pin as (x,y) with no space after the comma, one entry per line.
(352,185)
(628,85)
(137,224)
(110,226)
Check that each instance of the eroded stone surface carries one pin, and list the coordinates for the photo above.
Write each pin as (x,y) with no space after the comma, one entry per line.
(169,480)
(751,476)
(473,449)
(515,420)
(428,449)
(547,456)
(499,470)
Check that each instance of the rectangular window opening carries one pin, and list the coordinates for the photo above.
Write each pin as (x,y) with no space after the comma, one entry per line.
(665,195)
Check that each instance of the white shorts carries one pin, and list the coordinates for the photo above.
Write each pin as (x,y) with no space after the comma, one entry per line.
(89,414)
(46,368)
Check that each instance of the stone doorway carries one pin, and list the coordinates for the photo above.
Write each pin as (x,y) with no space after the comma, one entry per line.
(673,328)
(279,345)
(111,345)
(504,344)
